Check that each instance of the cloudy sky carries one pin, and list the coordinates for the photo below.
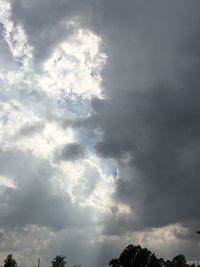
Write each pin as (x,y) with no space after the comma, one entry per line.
(99,129)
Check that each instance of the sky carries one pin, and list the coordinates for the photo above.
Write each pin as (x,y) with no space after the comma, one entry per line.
(99,129)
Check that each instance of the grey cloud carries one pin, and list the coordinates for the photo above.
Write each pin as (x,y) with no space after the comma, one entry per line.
(77,244)
(1,31)
(151,115)
(7,243)
(158,131)
(35,200)
(46,22)
(150,119)
(70,152)
(29,130)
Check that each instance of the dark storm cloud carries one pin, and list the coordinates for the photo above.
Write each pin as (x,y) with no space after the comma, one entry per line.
(150,118)
(151,83)
(70,152)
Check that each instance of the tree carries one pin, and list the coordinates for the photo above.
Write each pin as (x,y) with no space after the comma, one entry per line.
(167,263)
(161,262)
(154,262)
(10,262)
(179,261)
(135,256)
(59,261)
(114,263)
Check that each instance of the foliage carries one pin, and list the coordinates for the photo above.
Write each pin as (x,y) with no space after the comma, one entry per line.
(136,256)
(114,263)
(179,261)
(10,262)
(59,261)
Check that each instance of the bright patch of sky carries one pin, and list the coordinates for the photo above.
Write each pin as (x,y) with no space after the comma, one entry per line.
(7,182)
(15,37)
(74,67)
(35,99)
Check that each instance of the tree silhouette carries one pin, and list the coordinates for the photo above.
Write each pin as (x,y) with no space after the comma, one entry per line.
(179,261)
(10,262)
(168,263)
(154,262)
(135,256)
(59,261)
(161,262)
(114,263)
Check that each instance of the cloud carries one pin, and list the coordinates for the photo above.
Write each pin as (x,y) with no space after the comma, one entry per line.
(35,199)
(28,130)
(47,24)
(143,115)
(70,152)
(150,117)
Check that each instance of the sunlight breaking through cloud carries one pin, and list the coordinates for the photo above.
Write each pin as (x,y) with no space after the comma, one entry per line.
(75,67)
(99,128)
(35,99)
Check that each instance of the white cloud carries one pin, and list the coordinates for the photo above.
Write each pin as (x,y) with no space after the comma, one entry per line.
(7,182)
(15,36)
(75,67)
(34,100)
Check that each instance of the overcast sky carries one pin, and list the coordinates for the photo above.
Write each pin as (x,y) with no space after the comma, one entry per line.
(99,129)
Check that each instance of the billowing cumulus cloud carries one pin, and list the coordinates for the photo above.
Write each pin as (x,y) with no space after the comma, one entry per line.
(99,131)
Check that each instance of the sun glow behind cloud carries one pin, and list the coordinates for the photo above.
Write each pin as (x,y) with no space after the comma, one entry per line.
(37,97)
(85,169)
(75,67)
